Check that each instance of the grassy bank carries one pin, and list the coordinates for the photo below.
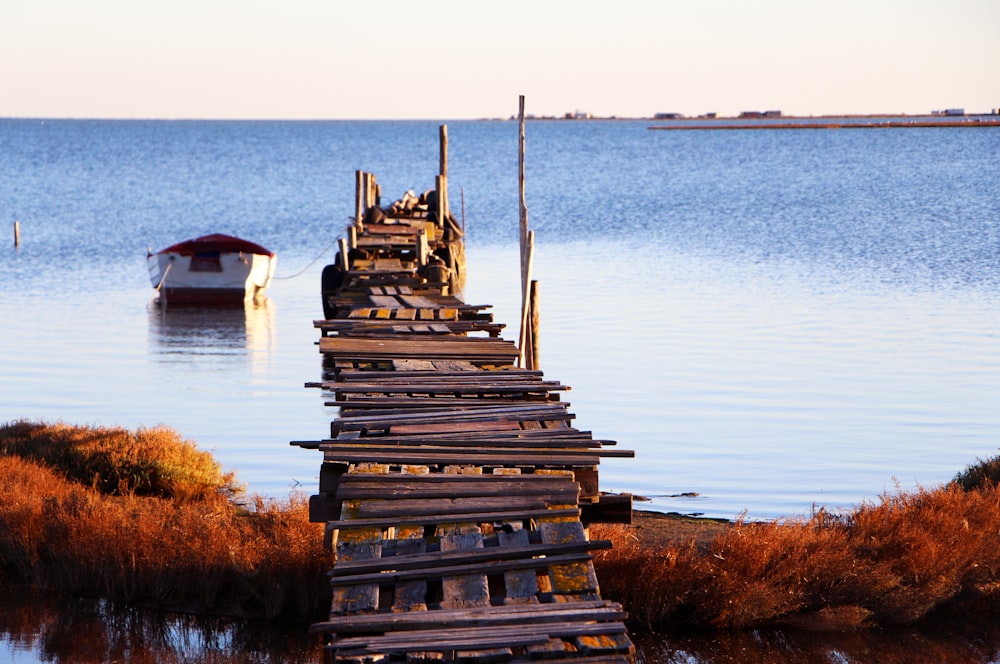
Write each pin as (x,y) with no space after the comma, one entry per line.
(911,557)
(146,518)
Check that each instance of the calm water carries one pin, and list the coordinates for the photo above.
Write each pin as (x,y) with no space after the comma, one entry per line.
(772,320)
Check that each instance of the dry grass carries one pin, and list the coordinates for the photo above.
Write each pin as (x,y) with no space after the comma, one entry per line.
(147,462)
(145,530)
(147,519)
(893,562)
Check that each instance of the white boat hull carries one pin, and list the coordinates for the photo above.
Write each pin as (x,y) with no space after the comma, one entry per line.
(215,277)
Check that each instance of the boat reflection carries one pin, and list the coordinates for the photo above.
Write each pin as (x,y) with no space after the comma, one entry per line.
(245,330)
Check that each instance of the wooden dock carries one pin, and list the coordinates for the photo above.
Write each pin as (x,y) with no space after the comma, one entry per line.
(455,489)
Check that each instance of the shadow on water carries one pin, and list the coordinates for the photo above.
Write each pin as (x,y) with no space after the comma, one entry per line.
(38,627)
(965,639)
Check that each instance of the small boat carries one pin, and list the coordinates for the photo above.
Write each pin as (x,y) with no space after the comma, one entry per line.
(212,269)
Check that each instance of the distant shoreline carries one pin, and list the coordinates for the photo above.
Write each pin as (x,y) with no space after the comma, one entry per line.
(881,123)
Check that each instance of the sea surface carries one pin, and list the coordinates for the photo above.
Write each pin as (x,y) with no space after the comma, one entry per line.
(774,321)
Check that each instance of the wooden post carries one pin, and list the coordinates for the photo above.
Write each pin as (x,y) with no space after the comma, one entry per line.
(445,207)
(17,234)
(422,248)
(522,336)
(444,150)
(441,187)
(345,261)
(523,213)
(533,329)
(369,188)
(359,185)
(352,236)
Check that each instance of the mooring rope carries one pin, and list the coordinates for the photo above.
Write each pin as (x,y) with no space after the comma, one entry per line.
(311,263)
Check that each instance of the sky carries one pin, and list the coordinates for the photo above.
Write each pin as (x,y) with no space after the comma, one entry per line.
(457,59)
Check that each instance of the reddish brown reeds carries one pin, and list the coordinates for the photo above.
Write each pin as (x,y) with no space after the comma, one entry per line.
(146,518)
(113,460)
(156,524)
(894,562)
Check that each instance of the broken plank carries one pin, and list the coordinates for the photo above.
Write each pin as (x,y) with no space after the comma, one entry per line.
(433,519)
(583,611)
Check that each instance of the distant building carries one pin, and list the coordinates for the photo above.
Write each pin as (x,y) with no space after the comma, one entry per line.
(772,114)
(668,116)
(952,112)
(578,115)
(751,114)
(708,116)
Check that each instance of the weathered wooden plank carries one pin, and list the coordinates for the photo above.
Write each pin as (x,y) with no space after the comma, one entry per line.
(494,442)
(451,457)
(569,435)
(517,547)
(469,637)
(409,366)
(584,456)
(395,478)
(359,597)
(460,425)
(483,656)
(520,586)
(357,404)
(513,614)
(578,579)
(385,301)
(463,585)
(391,229)
(410,595)
(419,302)
(405,507)
(429,387)
(358,353)
(440,373)
(604,644)
(567,493)
(514,410)
(469,575)
(433,519)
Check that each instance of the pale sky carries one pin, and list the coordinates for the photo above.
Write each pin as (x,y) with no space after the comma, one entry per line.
(454,59)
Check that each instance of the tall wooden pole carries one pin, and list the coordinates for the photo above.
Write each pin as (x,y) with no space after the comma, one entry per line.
(525,240)
(443,132)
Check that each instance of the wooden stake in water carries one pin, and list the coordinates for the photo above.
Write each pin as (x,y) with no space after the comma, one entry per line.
(443,134)
(17,234)
(523,341)
(535,316)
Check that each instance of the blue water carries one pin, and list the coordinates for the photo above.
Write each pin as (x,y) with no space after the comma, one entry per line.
(773,320)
